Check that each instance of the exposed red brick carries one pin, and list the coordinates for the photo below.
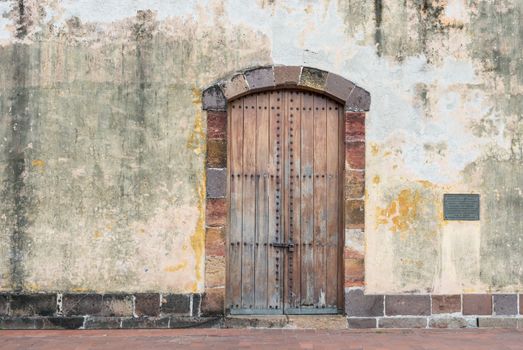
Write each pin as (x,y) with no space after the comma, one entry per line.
(349,253)
(355,155)
(354,126)
(216,153)
(354,272)
(215,241)
(446,304)
(354,213)
(216,212)
(354,184)
(477,304)
(214,271)
(216,125)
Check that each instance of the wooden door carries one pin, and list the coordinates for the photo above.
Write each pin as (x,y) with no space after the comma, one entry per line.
(285,215)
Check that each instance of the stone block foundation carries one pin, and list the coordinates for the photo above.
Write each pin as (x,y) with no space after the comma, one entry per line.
(155,310)
(108,311)
(431,311)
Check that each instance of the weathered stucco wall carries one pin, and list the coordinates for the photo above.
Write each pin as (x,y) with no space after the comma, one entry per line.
(102,150)
(102,147)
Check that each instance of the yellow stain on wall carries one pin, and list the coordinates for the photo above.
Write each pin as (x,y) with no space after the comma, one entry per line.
(197,143)
(412,262)
(32,287)
(198,237)
(376,179)
(38,163)
(374,149)
(402,212)
(97,234)
(174,268)
(426,184)
(197,136)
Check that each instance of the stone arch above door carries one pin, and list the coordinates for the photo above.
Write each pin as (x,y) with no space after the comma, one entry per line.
(356,102)
(252,80)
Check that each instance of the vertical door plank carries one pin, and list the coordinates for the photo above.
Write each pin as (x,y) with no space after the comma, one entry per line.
(307,200)
(288,260)
(275,268)
(292,198)
(320,200)
(262,197)
(332,132)
(235,202)
(341,201)
(249,200)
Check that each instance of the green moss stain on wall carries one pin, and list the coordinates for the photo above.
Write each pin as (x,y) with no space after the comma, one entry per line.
(17,199)
(499,48)
(501,223)
(101,161)
(481,105)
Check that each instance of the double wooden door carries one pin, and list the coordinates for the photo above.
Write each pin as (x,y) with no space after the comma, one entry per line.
(285,192)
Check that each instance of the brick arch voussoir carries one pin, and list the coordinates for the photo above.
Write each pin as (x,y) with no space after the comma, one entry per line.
(251,80)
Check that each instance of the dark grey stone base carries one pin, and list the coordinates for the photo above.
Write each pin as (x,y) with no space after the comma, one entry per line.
(100,322)
(156,310)
(97,311)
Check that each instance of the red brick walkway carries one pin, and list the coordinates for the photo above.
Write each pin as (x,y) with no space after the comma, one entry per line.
(216,339)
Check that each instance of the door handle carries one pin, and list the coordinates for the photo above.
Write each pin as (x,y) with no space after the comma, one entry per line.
(289,246)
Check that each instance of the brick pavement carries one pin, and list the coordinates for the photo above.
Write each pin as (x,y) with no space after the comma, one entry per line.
(217,339)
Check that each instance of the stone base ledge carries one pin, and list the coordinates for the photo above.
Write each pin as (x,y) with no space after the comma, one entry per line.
(65,307)
(166,310)
(435,322)
(293,322)
(99,322)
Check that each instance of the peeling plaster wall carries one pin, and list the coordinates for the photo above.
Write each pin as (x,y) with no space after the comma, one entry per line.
(102,146)
(102,150)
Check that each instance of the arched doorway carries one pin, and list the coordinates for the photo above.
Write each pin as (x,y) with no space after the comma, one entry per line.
(276,193)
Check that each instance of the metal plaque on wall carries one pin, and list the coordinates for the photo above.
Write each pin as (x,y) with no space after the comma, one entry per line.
(461,207)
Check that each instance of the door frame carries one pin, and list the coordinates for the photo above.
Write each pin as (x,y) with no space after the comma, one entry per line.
(356,102)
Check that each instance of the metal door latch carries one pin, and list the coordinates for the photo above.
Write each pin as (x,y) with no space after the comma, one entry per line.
(289,246)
